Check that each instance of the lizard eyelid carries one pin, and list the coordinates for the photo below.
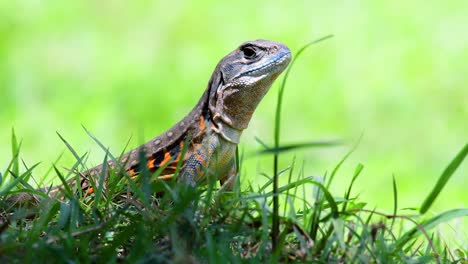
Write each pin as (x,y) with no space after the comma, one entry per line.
(249,52)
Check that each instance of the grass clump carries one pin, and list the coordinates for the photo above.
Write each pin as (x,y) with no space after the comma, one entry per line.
(127,221)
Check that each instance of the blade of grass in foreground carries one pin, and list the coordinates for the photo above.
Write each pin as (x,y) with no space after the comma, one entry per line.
(357,171)
(290,147)
(18,179)
(14,163)
(100,144)
(99,189)
(15,148)
(337,167)
(275,224)
(443,179)
(429,224)
(70,148)
(395,200)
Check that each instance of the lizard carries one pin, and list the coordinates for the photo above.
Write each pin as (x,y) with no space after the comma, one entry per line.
(210,133)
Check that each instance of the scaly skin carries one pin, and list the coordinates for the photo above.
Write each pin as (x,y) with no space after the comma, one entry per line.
(214,126)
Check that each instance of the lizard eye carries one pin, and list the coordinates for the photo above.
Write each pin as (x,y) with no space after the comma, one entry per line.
(249,52)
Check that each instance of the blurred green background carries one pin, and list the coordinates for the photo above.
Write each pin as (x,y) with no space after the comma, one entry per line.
(395,71)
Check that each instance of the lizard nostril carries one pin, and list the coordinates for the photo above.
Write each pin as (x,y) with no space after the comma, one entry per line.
(274,49)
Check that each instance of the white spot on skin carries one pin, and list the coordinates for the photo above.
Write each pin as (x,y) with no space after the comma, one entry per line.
(169,134)
(157,142)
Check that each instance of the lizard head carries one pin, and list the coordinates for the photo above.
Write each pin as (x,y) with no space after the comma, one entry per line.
(242,78)
(253,62)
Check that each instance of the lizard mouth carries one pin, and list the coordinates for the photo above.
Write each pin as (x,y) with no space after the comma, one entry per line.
(278,63)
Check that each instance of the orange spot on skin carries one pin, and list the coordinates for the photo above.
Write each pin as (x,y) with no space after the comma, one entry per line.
(131,172)
(150,164)
(167,158)
(90,190)
(176,160)
(202,123)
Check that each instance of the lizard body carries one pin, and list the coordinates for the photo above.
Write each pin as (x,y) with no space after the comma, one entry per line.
(213,128)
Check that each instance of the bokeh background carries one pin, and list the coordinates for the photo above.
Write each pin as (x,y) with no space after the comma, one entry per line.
(395,72)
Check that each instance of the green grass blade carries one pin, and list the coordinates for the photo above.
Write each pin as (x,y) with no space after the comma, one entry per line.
(11,184)
(14,163)
(72,150)
(443,179)
(357,171)
(429,224)
(337,167)
(275,224)
(37,192)
(18,179)
(15,148)
(100,187)
(259,141)
(100,144)
(289,181)
(395,200)
(325,193)
(26,175)
(50,209)
(64,215)
(66,188)
(290,147)
(239,164)
(270,180)
(47,173)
